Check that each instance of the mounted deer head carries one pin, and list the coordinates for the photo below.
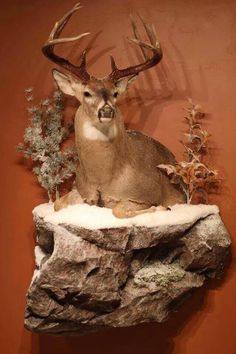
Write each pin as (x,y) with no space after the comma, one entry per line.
(98,96)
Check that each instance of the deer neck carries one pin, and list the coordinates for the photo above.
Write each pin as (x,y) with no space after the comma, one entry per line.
(100,145)
(87,130)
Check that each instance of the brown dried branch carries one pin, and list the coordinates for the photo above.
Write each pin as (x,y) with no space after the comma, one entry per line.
(193,175)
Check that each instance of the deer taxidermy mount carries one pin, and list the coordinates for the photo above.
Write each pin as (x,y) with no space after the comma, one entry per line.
(117,167)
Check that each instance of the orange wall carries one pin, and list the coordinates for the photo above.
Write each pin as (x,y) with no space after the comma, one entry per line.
(199,45)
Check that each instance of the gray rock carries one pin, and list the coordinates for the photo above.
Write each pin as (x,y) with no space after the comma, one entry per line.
(87,280)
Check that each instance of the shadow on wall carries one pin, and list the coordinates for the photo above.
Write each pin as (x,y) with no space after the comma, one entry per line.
(155,88)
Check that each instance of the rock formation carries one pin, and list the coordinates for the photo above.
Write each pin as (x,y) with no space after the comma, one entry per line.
(94,271)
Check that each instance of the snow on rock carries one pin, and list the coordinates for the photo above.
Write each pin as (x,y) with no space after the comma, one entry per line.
(94,271)
(39,255)
(93,217)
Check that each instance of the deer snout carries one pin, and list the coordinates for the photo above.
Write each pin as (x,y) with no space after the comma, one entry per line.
(106,112)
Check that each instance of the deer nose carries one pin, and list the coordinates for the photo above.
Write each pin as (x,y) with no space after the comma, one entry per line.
(106,112)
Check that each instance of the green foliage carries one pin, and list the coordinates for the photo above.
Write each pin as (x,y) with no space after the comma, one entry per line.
(43,140)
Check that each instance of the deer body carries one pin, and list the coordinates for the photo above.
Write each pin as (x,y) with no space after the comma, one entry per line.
(117,168)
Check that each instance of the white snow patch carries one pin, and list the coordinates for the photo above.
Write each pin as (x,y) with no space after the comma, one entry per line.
(43,210)
(35,276)
(93,217)
(39,255)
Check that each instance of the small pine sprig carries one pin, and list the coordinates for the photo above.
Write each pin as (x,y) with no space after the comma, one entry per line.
(42,143)
(193,175)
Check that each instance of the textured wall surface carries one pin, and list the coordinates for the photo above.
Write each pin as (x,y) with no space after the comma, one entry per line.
(199,61)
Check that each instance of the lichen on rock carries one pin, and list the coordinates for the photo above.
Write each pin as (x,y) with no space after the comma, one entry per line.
(159,274)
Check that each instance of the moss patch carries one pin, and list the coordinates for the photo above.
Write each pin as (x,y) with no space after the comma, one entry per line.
(158,274)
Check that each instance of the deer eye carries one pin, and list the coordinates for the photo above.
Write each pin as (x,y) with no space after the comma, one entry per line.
(87,94)
(115,94)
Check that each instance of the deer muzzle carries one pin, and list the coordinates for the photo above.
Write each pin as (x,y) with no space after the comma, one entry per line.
(106,113)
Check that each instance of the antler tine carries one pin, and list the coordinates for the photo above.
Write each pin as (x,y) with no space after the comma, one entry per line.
(136,35)
(48,47)
(153,46)
(150,30)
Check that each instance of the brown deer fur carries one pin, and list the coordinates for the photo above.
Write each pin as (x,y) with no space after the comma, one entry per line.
(117,168)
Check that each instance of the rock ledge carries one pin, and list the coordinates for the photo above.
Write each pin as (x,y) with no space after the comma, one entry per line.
(94,271)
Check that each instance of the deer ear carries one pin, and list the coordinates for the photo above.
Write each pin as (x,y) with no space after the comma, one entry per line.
(123,84)
(64,82)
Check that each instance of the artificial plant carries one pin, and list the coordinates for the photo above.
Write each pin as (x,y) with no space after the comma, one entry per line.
(43,143)
(193,175)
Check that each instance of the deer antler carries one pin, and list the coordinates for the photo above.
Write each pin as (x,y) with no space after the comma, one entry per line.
(48,47)
(153,46)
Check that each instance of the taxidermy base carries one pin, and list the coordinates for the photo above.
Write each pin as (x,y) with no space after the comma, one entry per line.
(95,271)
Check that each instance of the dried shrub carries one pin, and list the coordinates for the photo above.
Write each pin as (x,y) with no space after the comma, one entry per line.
(193,175)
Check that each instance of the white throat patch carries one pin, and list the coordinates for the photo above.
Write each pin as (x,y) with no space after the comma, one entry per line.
(92,133)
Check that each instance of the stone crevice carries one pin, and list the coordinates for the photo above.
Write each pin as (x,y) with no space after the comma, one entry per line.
(89,280)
